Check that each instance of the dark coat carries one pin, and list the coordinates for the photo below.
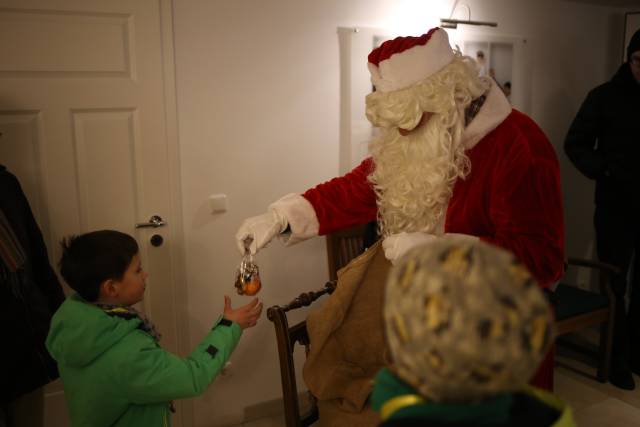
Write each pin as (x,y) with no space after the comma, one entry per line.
(25,316)
(604,139)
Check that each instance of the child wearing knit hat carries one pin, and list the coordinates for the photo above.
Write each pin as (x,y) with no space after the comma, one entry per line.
(466,326)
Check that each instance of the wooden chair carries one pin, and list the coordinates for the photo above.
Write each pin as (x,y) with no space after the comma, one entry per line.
(287,336)
(578,309)
(343,246)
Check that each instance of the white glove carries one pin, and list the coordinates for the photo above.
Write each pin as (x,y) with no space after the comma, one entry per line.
(261,230)
(399,244)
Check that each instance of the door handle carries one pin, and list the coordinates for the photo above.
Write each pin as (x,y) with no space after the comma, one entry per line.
(154,222)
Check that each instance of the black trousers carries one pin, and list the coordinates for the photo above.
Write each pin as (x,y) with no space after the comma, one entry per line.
(618,239)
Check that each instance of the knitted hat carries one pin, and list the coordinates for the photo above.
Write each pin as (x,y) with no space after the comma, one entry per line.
(634,45)
(403,61)
(464,320)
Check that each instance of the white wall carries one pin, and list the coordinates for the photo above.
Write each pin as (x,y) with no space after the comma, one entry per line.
(258,96)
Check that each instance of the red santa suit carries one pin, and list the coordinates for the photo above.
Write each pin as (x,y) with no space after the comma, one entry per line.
(511,197)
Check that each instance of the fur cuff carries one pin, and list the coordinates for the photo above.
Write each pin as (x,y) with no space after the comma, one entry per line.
(462,237)
(301,217)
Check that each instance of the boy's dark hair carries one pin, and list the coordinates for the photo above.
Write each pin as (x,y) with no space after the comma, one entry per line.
(90,259)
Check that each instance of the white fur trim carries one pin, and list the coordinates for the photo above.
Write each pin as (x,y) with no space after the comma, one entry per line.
(300,216)
(462,237)
(403,69)
(494,111)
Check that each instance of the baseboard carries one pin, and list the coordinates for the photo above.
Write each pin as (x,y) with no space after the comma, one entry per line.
(269,408)
(272,408)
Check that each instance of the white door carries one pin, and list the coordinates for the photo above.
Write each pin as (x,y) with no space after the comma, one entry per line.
(87,112)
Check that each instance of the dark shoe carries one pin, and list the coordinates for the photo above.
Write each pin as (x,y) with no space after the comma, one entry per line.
(635,369)
(622,379)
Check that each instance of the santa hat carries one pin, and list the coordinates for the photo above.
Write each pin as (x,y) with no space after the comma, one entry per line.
(403,61)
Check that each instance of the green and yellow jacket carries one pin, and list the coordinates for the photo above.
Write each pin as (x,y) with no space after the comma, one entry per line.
(116,374)
(400,406)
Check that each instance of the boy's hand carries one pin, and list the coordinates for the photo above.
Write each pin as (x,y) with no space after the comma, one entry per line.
(246,316)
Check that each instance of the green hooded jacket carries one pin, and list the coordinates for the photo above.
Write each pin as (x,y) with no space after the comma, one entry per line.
(115,374)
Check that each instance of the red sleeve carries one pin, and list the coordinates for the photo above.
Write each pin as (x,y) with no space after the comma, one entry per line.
(526,206)
(345,201)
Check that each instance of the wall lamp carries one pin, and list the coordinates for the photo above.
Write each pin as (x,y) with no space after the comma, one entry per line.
(453,23)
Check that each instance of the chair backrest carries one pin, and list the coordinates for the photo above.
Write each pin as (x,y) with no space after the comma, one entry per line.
(577,309)
(287,336)
(343,246)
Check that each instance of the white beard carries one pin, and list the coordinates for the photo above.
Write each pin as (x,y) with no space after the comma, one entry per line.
(414,175)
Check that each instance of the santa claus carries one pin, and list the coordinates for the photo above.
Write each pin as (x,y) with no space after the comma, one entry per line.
(452,157)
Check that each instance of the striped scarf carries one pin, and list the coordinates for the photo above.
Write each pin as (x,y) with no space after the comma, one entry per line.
(473,109)
(12,257)
(128,313)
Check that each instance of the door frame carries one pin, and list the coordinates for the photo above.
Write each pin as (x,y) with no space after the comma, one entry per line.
(178,260)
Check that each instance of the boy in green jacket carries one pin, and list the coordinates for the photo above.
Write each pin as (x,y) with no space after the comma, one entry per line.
(466,326)
(114,371)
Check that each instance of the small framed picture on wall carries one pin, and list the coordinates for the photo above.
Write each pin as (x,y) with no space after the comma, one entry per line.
(631,25)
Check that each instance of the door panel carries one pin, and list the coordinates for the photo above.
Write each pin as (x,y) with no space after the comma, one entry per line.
(65,43)
(106,146)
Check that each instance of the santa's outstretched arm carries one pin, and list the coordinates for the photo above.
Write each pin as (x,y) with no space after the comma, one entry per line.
(334,205)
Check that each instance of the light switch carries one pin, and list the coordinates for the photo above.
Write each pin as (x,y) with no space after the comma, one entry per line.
(218,203)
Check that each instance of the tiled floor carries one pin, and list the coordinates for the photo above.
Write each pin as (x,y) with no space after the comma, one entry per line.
(266,422)
(594,404)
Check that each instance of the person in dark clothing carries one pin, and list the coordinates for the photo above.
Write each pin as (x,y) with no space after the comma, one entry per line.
(466,327)
(29,295)
(603,142)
